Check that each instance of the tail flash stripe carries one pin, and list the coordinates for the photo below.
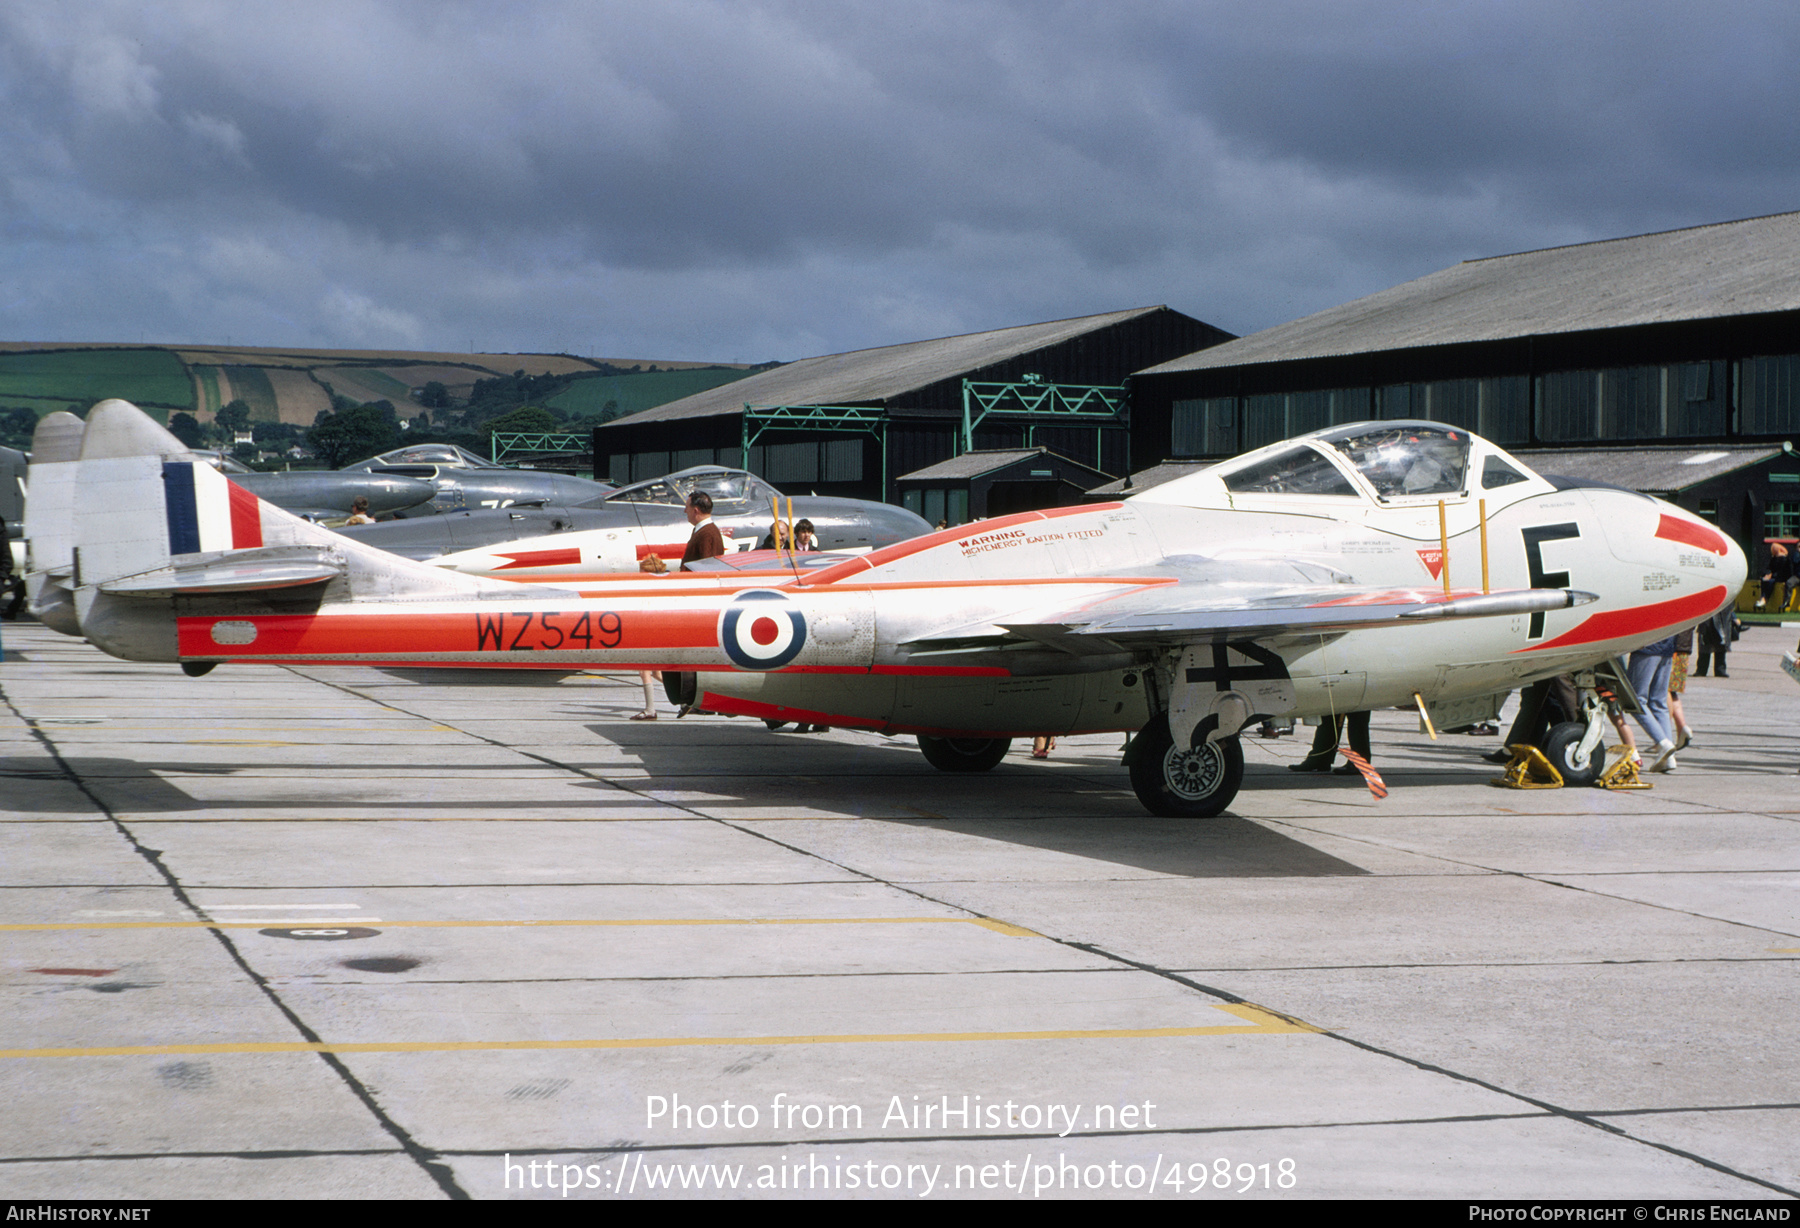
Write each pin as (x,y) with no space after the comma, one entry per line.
(246,518)
(183,510)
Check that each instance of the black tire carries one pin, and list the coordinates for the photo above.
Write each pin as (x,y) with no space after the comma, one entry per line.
(1184,784)
(774,725)
(964,754)
(1561,747)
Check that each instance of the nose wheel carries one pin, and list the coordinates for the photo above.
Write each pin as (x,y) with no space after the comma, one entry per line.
(1184,782)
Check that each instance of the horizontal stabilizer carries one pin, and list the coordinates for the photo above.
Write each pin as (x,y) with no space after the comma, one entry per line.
(236,571)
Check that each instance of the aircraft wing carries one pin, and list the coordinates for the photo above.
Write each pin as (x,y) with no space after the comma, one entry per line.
(1191,613)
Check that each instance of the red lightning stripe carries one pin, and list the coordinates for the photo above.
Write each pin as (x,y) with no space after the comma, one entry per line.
(1676,529)
(1621,624)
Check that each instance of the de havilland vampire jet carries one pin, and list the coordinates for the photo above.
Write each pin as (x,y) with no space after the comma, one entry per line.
(460,479)
(613,532)
(1303,579)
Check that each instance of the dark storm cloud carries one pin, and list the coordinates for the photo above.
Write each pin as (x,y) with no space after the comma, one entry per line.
(737,180)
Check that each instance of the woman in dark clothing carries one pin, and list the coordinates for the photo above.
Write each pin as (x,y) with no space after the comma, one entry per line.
(1781,571)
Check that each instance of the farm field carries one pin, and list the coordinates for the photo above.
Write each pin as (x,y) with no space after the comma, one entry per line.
(155,379)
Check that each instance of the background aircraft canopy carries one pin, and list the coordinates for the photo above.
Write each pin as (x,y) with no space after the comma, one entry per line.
(733,491)
(441,455)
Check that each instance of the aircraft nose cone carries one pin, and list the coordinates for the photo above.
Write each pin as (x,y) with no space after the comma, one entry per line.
(387,493)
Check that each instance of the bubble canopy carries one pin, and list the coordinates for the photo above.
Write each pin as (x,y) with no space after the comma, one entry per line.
(1405,458)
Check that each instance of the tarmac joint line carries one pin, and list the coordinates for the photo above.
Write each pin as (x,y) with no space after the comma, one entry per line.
(987,923)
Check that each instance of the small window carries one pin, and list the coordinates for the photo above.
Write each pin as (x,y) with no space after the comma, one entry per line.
(1297,471)
(1781,520)
(1496,473)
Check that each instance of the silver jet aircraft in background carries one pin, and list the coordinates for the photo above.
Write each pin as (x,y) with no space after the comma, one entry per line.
(462,480)
(616,530)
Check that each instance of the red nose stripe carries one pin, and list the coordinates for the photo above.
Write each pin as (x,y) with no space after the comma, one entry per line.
(1619,624)
(1675,529)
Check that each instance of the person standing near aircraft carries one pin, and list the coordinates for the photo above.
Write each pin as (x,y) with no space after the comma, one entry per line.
(1325,744)
(652,565)
(706,542)
(1716,634)
(804,537)
(1650,667)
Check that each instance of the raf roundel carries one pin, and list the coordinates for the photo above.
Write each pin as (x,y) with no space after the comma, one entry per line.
(762,629)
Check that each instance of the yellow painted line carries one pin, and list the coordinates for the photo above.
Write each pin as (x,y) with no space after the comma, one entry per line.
(1784,950)
(1259,1022)
(999,927)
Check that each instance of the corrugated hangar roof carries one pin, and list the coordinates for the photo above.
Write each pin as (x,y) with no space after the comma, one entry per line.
(862,376)
(1726,269)
(1144,479)
(1646,468)
(971,464)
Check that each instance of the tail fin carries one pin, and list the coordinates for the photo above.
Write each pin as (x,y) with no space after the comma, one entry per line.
(158,532)
(50,520)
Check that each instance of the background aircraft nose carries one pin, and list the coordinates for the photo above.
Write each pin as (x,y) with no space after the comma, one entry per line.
(387,493)
(889,524)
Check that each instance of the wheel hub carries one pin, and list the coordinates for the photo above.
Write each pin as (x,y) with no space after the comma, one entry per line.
(1193,774)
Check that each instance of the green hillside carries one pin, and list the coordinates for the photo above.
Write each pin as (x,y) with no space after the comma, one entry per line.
(155,379)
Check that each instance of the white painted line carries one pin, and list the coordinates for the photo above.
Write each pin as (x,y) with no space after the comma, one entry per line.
(275,907)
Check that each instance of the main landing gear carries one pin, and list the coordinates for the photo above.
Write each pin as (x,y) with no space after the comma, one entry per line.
(1180,782)
(1195,783)
(963,754)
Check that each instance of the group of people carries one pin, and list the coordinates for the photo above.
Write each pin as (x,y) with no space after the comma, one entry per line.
(1658,674)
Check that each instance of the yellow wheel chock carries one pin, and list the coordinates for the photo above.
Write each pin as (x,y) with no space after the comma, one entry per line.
(1622,773)
(1528,770)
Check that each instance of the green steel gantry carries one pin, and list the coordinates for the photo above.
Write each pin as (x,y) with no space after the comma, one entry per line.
(860,419)
(1101,404)
(505,443)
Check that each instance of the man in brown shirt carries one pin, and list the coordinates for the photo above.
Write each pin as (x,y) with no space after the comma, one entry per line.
(706,542)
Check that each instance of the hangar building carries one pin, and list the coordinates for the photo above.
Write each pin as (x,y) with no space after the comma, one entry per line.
(852,424)
(1681,348)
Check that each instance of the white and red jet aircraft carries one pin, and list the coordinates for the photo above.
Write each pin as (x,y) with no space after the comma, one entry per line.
(1303,579)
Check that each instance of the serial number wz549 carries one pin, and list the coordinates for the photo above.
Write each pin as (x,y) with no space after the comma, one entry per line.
(547,631)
